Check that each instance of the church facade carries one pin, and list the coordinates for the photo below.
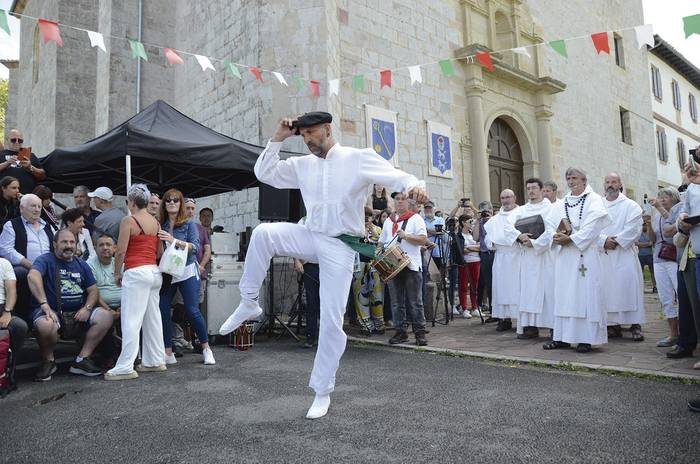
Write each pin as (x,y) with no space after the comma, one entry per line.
(535,114)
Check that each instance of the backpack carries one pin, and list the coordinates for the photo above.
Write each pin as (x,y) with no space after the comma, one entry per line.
(7,365)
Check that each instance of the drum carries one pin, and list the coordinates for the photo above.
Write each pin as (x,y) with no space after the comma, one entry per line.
(390,262)
(244,336)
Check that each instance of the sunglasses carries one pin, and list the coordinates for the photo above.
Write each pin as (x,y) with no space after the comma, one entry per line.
(172,200)
(16,140)
(190,200)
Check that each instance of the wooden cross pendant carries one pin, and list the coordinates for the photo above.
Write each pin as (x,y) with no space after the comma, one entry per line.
(582,269)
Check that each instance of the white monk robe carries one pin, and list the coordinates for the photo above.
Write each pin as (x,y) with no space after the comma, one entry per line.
(624,284)
(501,235)
(579,312)
(536,306)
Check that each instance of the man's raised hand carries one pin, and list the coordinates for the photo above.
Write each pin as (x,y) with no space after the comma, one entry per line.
(284,130)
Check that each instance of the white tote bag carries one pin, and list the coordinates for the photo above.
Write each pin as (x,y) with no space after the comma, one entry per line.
(173,260)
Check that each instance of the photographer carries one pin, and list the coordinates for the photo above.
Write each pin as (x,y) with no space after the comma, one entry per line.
(486,258)
(469,271)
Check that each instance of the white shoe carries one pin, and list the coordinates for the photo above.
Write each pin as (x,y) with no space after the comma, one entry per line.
(170,359)
(320,407)
(466,314)
(247,310)
(142,368)
(456,311)
(125,376)
(475,313)
(208,357)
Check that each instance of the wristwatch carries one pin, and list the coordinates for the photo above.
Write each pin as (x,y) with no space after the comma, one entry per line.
(7,310)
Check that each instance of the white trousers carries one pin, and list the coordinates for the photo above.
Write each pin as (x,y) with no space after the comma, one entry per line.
(667,285)
(140,310)
(335,261)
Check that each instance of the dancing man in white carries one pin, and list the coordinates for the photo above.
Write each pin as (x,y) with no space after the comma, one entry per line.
(334,182)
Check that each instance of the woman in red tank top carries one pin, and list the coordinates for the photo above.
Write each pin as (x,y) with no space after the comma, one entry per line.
(137,249)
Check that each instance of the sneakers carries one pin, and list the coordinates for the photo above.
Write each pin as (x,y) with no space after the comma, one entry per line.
(420,338)
(456,310)
(46,370)
(399,337)
(475,313)
(466,314)
(208,357)
(159,368)
(170,359)
(125,376)
(694,405)
(666,342)
(85,367)
(177,351)
(246,310)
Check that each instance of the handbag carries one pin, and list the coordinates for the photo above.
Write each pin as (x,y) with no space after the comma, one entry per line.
(173,261)
(667,251)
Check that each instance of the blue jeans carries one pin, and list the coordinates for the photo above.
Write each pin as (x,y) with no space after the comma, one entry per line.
(313,300)
(406,297)
(189,289)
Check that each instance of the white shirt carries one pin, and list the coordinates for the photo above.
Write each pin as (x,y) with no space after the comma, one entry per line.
(334,189)
(470,256)
(414,226)
(6,273)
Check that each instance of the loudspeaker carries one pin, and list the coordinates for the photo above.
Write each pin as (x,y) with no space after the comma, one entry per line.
(280,204)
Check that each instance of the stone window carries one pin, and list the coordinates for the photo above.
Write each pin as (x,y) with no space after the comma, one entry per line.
(619,50)
(680,149)
(625,129)
(692,104)
(676,91)
(656,87)
(661,144)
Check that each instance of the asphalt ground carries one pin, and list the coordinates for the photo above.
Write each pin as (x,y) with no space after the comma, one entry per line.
(390,406)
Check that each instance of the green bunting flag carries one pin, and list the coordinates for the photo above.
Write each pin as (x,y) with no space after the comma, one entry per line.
(233,69)
(559,46)
(137,50)
(691,25)
(358,83)
(447,68)
(299,82)
(3,22)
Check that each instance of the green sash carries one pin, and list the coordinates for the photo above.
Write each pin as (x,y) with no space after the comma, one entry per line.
(357,244)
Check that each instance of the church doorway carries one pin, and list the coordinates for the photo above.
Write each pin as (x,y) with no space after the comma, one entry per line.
(505,162)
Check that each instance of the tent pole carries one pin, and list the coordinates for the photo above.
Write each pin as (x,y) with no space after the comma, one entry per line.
(127,160)
(138,93)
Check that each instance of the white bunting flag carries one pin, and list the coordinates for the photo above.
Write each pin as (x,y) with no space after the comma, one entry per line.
(645,35)
(333,87)
(521,51)
(415,73)
(280,78)
(97,40)
(204,62)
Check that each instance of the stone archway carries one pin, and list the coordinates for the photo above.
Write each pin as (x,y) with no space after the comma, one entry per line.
(505,162)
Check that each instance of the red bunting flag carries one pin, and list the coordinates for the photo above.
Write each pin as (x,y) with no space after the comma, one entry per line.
(600,42)
(49,31)
(257,73)
(485,59)
(315,88)
(172,57)
(385,79)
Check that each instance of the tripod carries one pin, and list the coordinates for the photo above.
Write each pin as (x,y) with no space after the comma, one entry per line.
(443,245)
(298,308)
(270,316)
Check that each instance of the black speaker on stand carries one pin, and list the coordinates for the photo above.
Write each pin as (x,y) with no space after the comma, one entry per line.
(283,205)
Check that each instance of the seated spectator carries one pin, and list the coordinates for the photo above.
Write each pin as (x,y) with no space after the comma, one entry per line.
(63,287)
(74,221)
(23,240)
(82,202)
(110,218)
(102,265)
(47,212)
(153,207)
(9,199)
(27,171)
(15,325)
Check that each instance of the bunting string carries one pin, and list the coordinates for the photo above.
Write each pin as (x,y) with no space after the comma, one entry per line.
(50,31)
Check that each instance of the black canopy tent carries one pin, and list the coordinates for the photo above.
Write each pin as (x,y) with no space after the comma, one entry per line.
(166,148)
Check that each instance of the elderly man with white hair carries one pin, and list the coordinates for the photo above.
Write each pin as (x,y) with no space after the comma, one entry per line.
(22,240)
(580,315)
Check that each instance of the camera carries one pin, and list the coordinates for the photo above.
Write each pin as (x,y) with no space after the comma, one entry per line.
(438,228)
(484,214)
(694,154)
(464,201)
(450,224)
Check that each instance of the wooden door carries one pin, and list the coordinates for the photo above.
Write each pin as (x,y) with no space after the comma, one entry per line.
(505,162)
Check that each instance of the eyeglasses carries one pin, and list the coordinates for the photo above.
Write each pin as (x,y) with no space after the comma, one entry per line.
(16,140)
(172,200)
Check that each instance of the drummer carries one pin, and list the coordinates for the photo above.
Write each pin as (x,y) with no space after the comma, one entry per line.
(406,230)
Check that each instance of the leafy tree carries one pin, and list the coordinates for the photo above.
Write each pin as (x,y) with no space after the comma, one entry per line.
(4,87)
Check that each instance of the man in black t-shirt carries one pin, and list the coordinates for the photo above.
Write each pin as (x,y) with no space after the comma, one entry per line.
(28,172)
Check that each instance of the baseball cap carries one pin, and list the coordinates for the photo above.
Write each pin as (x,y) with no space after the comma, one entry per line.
(105,193)
(428,204)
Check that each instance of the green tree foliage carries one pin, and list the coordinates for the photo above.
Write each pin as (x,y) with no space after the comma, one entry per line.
(4,87)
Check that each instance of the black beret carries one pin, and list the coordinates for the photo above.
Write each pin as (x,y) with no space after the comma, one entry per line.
(312,119)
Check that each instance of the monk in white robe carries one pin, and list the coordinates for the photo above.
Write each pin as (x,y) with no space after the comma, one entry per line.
(502,236)
(536,307)
(624,287)
(580,315)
